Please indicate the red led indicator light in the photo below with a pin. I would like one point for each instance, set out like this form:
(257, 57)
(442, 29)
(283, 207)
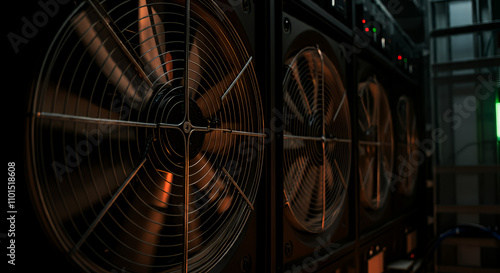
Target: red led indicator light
(363, 21)
(367, 29)
(400, 57)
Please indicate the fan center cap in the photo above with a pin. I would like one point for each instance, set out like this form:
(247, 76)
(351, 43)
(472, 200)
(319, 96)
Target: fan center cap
(187, 127)
(171, 109)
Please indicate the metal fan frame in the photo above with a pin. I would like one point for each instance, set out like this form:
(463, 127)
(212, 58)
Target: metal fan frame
(186, 128)
(407, 145)
(384, 159)
(330, 206)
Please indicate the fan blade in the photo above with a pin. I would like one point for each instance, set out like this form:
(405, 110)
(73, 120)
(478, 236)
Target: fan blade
(312, 197)
(292, 107)
(296, 176)
(297, 80)
(87, 120)
(112, 60)
(315, 68)
(370, 96)
(74, 196)
(385, 126)
(208, 179)
(82, 169)
(332, 111)
(332, 173)
(220, 142)
(153, 43)
(151, 221)
(386, 160)
(69, 96)
(366, 110)
(210, 101)
(209, 51)
(367, 166)
(199, 58)
(79, 200)
(294, 145)
(336, 179)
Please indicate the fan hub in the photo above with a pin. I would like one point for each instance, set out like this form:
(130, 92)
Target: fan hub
(171, 109)
(187, 127)
(315, 124)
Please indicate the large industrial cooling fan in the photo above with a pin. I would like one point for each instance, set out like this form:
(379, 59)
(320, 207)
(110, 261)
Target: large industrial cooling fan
(139, 117)
(407, 147)
(376, 144)
(317, 141)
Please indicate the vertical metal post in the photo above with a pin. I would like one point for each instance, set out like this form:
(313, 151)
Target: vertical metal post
(323, 136)
(187, 135)
(186, 207)
(269, 66)
(186, 59)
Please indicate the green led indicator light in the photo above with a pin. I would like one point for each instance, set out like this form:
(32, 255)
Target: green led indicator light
(405, 60)
(498, 120)
(374, 29)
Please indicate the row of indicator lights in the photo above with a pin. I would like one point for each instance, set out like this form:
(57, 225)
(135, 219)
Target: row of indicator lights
(368, 29)
(375, 30)
(401, 58)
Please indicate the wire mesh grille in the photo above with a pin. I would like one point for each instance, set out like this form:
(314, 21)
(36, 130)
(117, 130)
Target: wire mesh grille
(376, 143)
(146, 136)
(317, 140)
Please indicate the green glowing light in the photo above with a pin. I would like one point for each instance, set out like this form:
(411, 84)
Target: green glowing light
(498, 120)
(374, 29)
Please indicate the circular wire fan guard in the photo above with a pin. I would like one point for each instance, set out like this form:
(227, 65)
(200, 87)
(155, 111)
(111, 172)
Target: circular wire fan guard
(139, 116)
(407, 145)
(317, 140)
(376, 144)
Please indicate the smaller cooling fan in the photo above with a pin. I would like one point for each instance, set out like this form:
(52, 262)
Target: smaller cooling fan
(376, 144)
(317, 141)
(407, 146)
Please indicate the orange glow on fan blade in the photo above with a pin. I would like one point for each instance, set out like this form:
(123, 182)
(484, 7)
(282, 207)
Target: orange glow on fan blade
(152, 42)
(169, 178)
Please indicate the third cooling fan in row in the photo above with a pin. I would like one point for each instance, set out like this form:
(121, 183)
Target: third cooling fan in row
(376, 144)
(408, 145)
(138, 119)
(317, 140)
